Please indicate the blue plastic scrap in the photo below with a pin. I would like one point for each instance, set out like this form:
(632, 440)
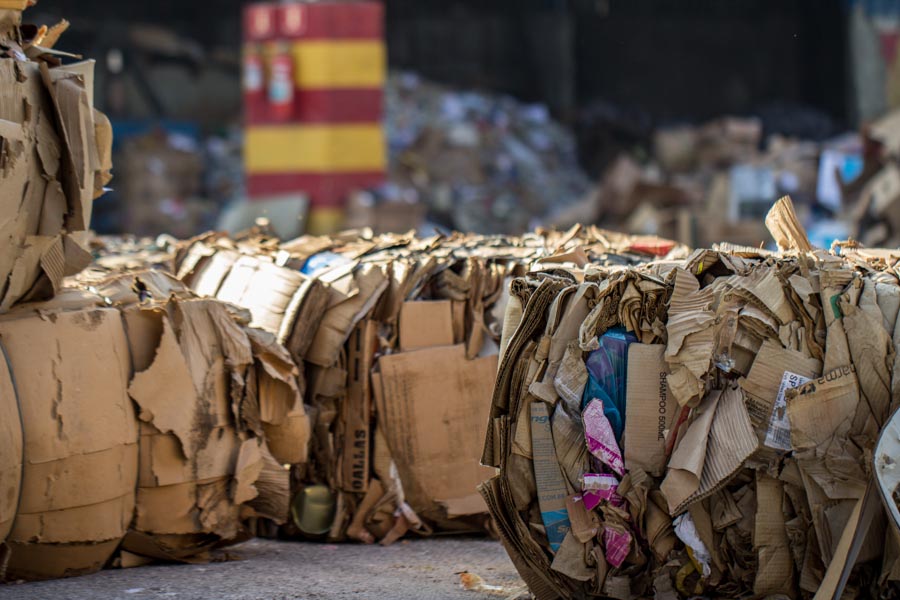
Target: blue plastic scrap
(607, 374)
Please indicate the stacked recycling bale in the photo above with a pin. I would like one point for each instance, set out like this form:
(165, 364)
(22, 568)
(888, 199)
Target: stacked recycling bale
(67, 450)
(699, 427)
(133, 414)
(55, 162)
(378, 323)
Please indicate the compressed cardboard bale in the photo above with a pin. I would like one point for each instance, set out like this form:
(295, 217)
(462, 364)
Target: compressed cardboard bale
(11, 448)
(753, 404)
(55, 163)
(81, 452)
(384, 296)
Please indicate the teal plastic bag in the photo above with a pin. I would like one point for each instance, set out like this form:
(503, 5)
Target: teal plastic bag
(607, 374)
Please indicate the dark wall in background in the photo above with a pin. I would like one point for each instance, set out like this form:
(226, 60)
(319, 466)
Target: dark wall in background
(702, 58)
(665, 59)
(676, 59)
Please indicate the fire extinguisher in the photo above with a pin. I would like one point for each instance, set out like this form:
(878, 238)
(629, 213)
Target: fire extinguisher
(253, 83)
(253, 71)
(281, 85)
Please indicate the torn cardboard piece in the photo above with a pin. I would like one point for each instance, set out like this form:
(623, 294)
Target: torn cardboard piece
(436, 440)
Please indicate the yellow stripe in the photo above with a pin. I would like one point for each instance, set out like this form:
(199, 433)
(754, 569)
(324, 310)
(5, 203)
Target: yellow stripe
(314, 148)
(323, 221)
(339, 64)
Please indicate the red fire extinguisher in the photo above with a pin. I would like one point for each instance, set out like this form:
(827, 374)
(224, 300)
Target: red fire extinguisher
(253, 81)
(281, 85)
(253, 71)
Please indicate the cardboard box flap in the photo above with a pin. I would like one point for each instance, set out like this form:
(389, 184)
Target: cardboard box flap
(785, 227)
(166, 394)
(649, 409)
(279, 393)
(436, 445)
(371, 281)
(425, 324)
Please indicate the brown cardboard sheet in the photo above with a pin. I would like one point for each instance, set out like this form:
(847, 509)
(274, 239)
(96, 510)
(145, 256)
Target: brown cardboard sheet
(433, 412)
(424, 324)
(649, 409)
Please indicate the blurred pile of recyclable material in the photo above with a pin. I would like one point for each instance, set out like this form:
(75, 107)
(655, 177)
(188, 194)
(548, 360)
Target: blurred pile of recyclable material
(710, 183)
(874, 209)
(175, 183)
(479, 162)
(702, 427)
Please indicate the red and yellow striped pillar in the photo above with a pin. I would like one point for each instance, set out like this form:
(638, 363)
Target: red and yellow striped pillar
(316, 127)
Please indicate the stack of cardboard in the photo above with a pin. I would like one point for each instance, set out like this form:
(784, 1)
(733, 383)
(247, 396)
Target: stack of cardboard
(54, 161)
(69, 448)
(134, 414)
(379, 323)
(144, 411)
(699, 427)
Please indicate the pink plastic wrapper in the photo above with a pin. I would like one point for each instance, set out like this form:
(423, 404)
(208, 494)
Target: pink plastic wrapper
(618, 545)
(601, 441)
(599, 487)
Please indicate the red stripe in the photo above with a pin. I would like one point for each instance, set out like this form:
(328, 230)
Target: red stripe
(260, 22)
(324, 190)
(331, 20)
(319, 106)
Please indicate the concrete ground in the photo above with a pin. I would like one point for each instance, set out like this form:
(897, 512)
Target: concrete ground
(272, 570)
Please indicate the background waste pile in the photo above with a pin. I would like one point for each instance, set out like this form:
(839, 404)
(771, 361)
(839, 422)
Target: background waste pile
(378, 324)
(874, 196)
(130, 408)
(479, 162)
(701, 426)
(714, 181)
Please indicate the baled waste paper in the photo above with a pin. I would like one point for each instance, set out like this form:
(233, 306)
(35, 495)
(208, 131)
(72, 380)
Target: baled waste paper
(699, 427)
(55, 160)
(378, 324)
(143, 411)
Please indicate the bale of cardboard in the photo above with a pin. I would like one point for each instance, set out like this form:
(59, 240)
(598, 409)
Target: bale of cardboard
(699, 427)
(55, 160)
(400, 317)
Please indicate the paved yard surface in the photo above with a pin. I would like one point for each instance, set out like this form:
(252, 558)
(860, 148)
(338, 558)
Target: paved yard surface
(270, 570)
